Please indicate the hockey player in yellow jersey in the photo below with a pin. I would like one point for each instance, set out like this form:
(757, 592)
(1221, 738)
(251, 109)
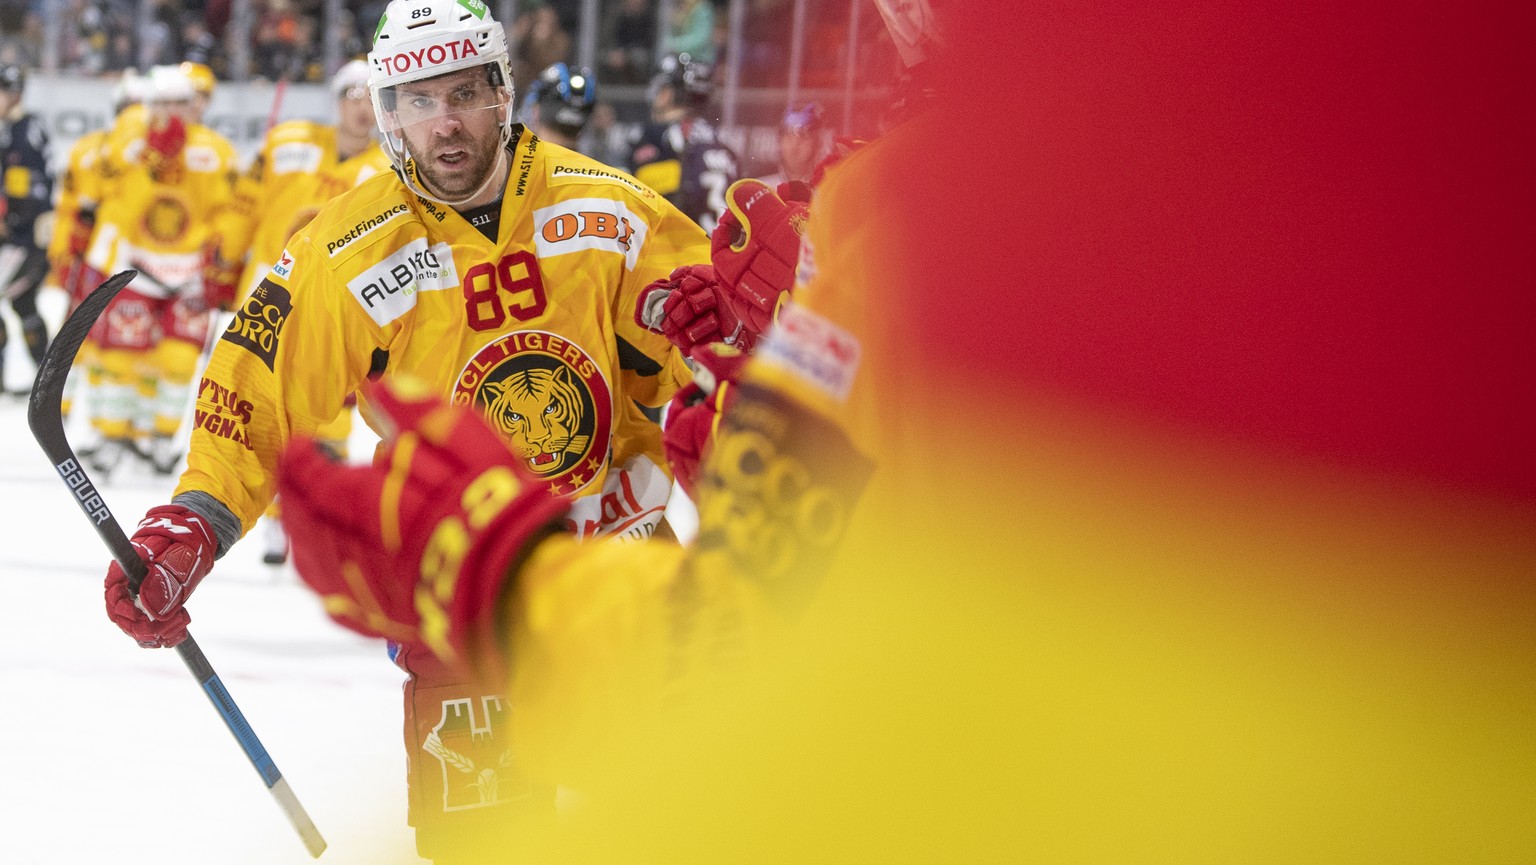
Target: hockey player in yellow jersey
(75, 216)
(162, 194)
(499, 268)
(302, 165)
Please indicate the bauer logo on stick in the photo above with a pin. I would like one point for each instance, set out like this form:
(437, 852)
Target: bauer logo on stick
(84, 492)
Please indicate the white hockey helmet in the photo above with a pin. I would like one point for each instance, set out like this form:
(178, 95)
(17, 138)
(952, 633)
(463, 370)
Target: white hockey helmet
(421, 39)
(129, 89)
(168, 84)
(352, 75)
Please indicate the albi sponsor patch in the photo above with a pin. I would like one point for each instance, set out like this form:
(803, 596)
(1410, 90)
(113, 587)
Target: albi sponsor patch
(258, 324)
(388, 289)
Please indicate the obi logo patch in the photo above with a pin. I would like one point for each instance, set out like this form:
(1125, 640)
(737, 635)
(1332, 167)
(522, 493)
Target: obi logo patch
(589, 223)
(551, 401)
(388, 289)
(258, 324)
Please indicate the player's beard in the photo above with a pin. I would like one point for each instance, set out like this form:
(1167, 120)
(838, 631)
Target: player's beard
(463, 179)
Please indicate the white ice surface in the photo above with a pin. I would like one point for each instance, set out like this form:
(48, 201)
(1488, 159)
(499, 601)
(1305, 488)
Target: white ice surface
(111, 753)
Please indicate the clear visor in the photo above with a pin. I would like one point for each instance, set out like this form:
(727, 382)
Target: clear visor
(408, 104)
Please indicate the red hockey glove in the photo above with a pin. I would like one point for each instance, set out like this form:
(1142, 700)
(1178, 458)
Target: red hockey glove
(163, 143)
(178, 547)
(695, 411)
(842, 148)
(691, 309)
(418, 546)
(69, 267)
(221, 280)
(756, 248)
(81, 228)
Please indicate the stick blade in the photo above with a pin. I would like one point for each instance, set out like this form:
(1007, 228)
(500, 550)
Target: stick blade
(48, 390)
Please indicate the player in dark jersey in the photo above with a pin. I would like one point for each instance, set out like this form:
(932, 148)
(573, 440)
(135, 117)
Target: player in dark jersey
(559, 103)
(28, 198)
(679, 153)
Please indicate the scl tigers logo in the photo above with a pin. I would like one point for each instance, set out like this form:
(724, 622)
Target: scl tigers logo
(540, 411)
(166, 219)
(550, 400)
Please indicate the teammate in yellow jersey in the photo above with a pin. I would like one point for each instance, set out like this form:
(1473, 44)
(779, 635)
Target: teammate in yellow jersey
(75, 218)
(162, 194)
(203, 85)
(302, 165)
(501, 269)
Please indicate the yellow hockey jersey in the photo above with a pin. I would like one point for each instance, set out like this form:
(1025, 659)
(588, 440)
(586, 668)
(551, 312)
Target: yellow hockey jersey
(297, 170)
(156, 226)
(536, 329)
(77, 190)
(95, 161)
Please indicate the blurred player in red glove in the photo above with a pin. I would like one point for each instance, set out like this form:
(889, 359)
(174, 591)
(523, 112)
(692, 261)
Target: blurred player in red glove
(693, 416)
(455, 509)
(170, 180)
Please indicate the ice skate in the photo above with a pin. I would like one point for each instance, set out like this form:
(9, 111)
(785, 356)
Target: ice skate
(274, 543)
(106, 456)
(162, 454)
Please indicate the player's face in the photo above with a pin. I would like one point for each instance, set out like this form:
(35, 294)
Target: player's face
(355, 113)
(452, 128)
(797, 151)
(168, 108)
(8, 100)
(663, 102)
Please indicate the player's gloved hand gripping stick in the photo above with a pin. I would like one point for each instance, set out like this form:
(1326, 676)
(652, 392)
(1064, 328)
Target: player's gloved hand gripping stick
(47, 424)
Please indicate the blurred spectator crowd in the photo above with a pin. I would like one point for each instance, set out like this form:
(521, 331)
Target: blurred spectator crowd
(287, 38)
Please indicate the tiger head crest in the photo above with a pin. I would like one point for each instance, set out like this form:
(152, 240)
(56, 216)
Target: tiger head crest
(540, 412)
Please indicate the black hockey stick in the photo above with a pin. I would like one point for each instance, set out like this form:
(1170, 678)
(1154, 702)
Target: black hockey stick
(47, 424)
